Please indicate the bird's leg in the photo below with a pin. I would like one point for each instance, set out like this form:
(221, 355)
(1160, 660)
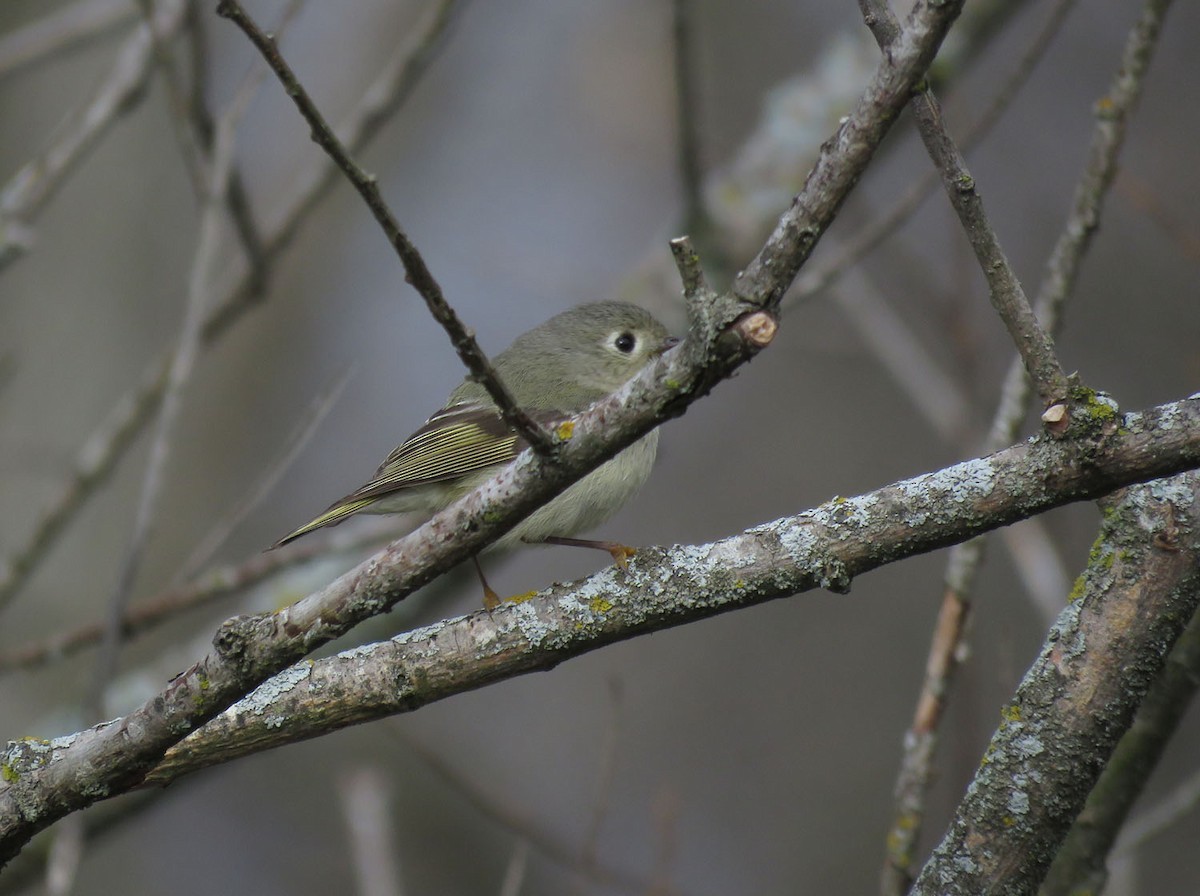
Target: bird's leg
(620, 552)
(491, 599)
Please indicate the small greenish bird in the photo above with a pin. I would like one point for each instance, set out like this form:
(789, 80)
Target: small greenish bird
(554, 371)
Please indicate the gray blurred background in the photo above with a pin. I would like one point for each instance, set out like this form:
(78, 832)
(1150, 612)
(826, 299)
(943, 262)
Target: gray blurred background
(535, 167)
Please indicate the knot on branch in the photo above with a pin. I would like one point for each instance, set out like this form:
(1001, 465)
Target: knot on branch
(236, 636)
(745, 337)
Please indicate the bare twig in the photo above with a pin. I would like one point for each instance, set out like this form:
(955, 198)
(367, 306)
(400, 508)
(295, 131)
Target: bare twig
(93, 464)
(194, 128)
(1112, 115)
(112, 439)
(74, 24)
(873, 232)
(28, 191)
(364, 795)
(207, 588)
(943, 661)
(207, 546)
(687, 116)
(416, 271)
(772, 271)
(514, 873)
(191, 144)
(178, 376)
(1008, 298)
(512, 820)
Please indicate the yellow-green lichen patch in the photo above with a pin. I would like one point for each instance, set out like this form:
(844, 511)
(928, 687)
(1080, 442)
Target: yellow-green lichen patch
(599, 604)
(1097, 408)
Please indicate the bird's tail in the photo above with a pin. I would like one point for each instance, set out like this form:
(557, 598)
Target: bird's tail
(330, 517)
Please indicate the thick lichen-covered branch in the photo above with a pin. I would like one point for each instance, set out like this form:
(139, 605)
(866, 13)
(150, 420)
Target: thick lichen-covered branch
(1141, 587)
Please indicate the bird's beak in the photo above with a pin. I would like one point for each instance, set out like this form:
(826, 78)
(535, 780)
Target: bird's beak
(668, 343)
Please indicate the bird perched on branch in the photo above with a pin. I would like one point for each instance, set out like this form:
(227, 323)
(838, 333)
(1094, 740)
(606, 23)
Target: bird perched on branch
(553, 372)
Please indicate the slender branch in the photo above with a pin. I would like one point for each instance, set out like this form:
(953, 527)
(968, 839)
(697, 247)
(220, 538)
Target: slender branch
(417, 272)
(1164, 815)
(94, 463)
(364, 796)
(28, 191)
(73, 24)
(257, 492)
(1112, 114)
(178, 376)
(513, 820)
(112, 439)
(663, 587)
(687, 115)
(1008, 298)
(195, 130)
(1141, 587)
(191, 147)
(202, 591)
(843, 158)
(942, 664)
(820, 276)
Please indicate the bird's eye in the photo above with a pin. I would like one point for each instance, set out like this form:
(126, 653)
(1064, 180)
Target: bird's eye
(625, 342)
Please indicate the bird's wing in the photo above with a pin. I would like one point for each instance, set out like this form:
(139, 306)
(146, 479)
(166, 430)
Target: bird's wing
(457, 440)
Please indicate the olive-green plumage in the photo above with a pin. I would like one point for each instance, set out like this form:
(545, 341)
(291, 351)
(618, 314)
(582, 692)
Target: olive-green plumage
(554, 371)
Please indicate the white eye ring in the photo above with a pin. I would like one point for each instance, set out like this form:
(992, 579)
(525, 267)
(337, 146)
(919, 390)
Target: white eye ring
(624, 342)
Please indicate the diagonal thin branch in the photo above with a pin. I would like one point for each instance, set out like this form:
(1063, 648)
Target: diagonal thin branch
(771, 272)
(115, 435)
(821, 276)
(28, 191)
(195, 130)
(178, 376)
(257, 492)
(81, 21)
(417, 272)
(207, 588)
(1004, 289)
(687, 116)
